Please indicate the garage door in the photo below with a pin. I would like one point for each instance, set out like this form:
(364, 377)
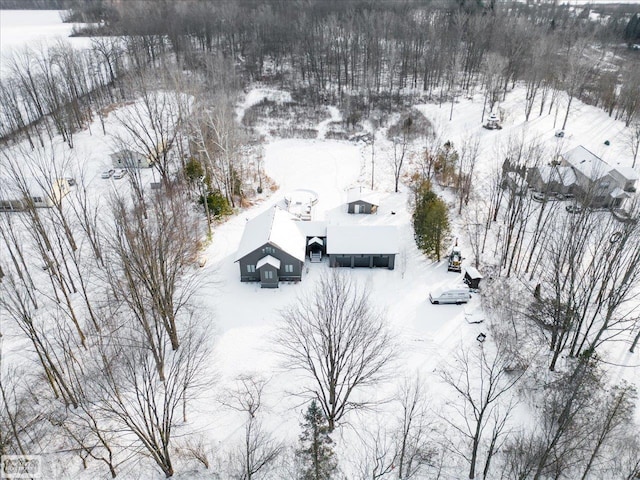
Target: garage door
(341, 261)
(381, 261)
(361, 261)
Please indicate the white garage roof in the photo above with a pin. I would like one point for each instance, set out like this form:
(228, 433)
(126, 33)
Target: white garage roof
(362, 239)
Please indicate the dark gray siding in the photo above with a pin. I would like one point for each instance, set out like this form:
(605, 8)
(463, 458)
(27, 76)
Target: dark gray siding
(371, 261)
(268, 276)
(285, 259)
(365, 207)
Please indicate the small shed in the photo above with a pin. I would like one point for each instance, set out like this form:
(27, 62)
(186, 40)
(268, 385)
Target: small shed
(472, 278)
(361, 200)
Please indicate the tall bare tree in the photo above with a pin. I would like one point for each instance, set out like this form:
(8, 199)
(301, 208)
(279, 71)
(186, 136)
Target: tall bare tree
(336, 337)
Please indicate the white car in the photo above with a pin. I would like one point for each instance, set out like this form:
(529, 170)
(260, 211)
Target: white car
(107, 173)
(120, 173)
(560, 133)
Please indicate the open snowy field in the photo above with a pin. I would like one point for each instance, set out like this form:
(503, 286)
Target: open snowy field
(33, 29)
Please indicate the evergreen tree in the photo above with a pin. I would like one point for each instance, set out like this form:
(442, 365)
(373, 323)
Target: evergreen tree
(632, 31)
(430, 222)
(316, 457)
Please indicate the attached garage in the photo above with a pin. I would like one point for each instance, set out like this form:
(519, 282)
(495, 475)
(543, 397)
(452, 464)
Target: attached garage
(362, 246)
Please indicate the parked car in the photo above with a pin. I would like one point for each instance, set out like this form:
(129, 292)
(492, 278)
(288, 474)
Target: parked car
(538, 196)
(573, 208)
(120, 173)
(456, 294)
(107, 173)
(559, 133)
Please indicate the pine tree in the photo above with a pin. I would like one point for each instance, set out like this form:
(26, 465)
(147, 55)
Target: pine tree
(316, 456)
(430, 222)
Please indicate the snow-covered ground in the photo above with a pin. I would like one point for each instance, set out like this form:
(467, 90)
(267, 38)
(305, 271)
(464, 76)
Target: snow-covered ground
(33, 28)
(245, 316)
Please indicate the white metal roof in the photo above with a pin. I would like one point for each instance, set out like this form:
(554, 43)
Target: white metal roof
(273, 226)
(274, 262)
(362, 239)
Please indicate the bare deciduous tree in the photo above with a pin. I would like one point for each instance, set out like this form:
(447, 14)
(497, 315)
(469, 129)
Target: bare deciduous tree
(259, 450)
(336, 337)
(482, 379)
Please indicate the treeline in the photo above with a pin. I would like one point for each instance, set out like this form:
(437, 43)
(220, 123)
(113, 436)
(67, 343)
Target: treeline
(34, 4)
(358, 54)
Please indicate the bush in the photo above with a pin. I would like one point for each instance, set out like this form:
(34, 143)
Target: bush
(217, 204)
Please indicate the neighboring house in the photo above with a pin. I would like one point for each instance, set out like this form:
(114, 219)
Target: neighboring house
(362, 246)
(272, 249)
(552, 179)
(130, 159)
(360, 200)
(597, 183)
(514, 182)
(41, 193)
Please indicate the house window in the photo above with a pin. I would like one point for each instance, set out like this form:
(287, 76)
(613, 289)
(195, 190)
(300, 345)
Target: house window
(604, 184)
(268, 275)
(268, 250)
(251, 268)
(288, 268)
(37, 199)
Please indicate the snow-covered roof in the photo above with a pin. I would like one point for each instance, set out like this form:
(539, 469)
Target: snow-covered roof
(619, 193)
(627, 172)
(563, 175)
(362, 239)
(473, 273)
(586, 162)
(12, 190)
(315, 240)
(313, 228)
(362, 194)
(274, 226)
(274, 262)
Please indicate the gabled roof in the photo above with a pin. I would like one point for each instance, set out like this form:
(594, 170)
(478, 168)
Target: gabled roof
(362, 239)
(274, 226)
(268, 260)
(589, 164)
(627, 173)
(360, 194)
(562, 175)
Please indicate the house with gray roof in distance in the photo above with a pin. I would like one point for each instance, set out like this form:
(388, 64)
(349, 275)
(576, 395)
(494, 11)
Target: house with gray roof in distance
(130, 159)
(552, 179)
(362, 246)
(361, 200)
(272, 249)
(597, 183)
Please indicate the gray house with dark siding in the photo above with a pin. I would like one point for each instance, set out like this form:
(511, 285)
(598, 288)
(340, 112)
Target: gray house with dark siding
(272, 249)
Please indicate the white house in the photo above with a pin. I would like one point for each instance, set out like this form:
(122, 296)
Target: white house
(38, 192)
